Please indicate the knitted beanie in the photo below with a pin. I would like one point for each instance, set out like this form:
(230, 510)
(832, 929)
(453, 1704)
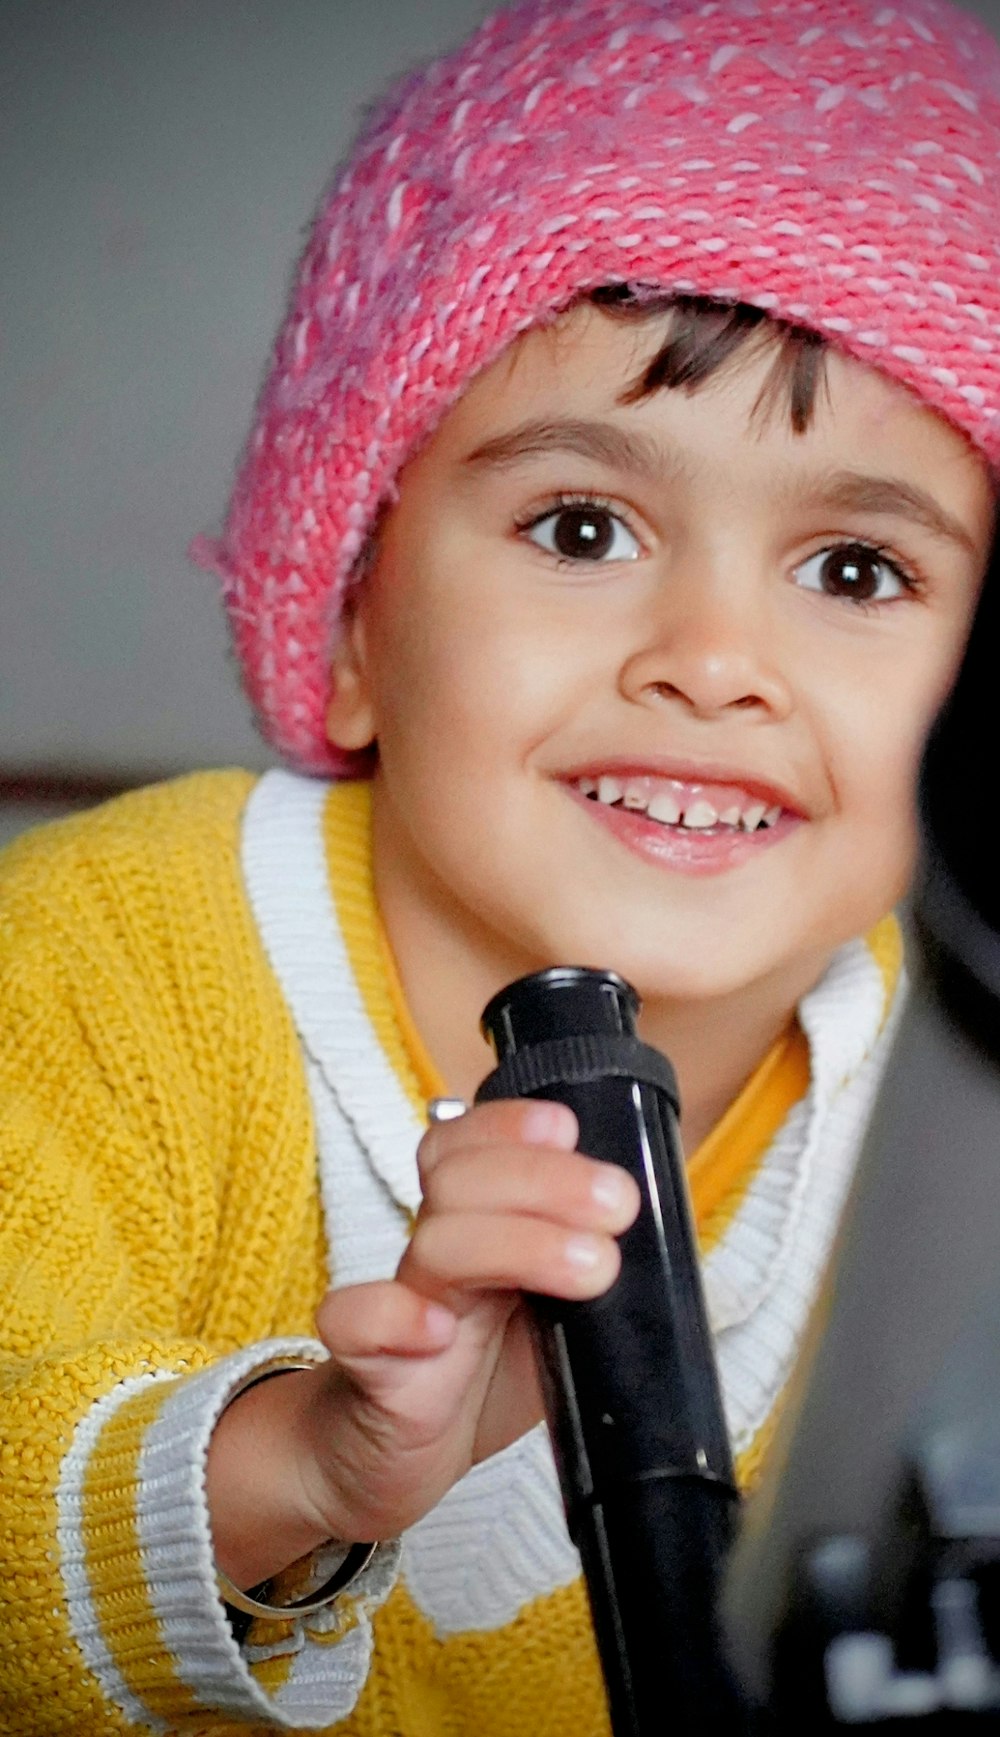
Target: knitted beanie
(835, 162)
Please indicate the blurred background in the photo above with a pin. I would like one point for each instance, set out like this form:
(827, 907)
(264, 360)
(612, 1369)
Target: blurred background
(161, 161)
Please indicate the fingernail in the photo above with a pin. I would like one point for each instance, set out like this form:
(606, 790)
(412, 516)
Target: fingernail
(550, 1125)
(609, 1188)
(439, 1322)
(583, 1251)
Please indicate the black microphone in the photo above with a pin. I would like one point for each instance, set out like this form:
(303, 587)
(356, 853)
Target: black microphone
(629, 1380)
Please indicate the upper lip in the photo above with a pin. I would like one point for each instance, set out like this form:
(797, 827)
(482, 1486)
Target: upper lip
(766, 790)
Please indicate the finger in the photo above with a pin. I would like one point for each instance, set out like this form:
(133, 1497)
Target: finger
(512, 1403)
(453, 1258)
(383, 1319)
(532, 1122)
(579, 1192)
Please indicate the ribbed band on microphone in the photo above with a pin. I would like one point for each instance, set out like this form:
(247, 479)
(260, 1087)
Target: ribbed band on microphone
(579, 1061)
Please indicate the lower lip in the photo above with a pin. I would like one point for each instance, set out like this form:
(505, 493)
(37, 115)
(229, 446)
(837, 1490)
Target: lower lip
(689, 852)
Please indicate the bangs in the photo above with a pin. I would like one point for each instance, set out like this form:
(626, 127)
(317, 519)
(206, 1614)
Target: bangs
(706, 335)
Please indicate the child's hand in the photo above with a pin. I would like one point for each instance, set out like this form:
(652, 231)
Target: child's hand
(433, 1370)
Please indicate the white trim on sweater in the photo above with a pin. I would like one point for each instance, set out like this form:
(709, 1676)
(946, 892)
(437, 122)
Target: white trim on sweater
(498, 1538)
(81, 1610)
(173, 1532)
(283, 824)
(322, 1683)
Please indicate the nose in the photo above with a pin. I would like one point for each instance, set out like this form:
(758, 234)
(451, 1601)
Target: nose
(709, 648)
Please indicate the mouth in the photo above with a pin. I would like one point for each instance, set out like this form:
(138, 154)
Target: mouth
(696, 823)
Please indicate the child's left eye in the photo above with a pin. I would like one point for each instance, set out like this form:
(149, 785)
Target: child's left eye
(583, 531)
(858, 572)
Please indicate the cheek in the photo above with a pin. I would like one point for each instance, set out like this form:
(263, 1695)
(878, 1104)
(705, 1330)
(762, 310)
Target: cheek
(875, 746)
(467, 667)
(442, 690)
(888, 700)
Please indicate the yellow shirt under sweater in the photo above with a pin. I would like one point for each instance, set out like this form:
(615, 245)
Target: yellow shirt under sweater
(196, 999)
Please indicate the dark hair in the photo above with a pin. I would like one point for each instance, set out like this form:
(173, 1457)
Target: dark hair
(705, 334)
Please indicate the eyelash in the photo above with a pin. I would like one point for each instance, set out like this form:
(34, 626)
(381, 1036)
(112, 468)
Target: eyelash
(912, 583)
(910, 580)
(560, 503)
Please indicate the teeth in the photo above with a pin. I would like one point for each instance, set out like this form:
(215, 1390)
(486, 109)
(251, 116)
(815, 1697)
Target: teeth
(663, 807)
(700, 814)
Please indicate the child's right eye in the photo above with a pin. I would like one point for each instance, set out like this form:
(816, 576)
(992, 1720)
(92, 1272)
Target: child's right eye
(583, 530)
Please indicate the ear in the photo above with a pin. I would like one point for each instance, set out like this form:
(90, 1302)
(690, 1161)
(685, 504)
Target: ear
(350, 715)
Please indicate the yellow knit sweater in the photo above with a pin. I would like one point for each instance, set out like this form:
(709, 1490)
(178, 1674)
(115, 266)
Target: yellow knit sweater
(162, 1234)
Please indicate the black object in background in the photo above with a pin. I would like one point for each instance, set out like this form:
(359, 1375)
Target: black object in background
(865, 1591)
(630, 1382)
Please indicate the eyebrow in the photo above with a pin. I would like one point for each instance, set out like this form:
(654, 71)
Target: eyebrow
(630, 450)
(852, 492)
(620, 448)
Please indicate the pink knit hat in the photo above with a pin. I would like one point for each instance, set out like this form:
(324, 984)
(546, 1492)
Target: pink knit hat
(836, 162)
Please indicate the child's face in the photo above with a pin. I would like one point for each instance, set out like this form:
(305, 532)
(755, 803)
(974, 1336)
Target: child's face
(677, 635)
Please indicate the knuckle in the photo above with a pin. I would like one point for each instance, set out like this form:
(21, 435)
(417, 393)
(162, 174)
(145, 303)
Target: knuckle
(451, 1184)
(429, 1151)
(428, 1245)
(431, 1196)
(515, 1119)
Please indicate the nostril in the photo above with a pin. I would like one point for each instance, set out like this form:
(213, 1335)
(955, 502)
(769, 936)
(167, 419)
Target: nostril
(670, 691)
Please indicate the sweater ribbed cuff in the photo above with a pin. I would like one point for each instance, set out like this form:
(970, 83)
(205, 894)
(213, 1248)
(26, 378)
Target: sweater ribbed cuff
(140, 1574)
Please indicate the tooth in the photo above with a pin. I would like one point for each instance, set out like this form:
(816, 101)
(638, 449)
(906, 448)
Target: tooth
(587, 786)
(753, 816)
(635, 797)
(772, 815)
(700, 814)
(663, 807)
(609, 790)
(731, 816)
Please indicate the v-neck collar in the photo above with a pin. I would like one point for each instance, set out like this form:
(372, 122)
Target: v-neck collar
(307, 863)
(347, 1028)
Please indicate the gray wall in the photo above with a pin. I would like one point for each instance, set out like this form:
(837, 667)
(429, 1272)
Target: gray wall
(160, 159)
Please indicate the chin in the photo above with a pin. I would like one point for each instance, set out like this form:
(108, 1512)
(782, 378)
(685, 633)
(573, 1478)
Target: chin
(671, 979)
(672, 961)
(689, 987)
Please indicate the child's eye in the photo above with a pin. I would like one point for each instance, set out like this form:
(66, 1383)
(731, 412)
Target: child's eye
(860, 572)
(583, 530)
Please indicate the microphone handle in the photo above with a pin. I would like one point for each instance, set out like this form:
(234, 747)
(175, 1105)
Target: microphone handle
(633, 1403)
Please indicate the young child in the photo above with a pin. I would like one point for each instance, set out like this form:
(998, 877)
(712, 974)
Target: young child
(611, 526)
